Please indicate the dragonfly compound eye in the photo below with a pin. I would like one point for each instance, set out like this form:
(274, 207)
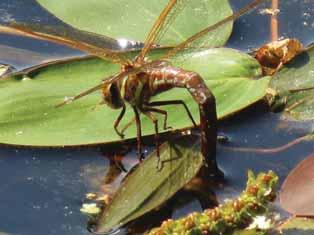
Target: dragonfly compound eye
(111, 96)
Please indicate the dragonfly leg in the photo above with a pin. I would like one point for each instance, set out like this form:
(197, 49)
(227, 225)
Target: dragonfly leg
(174, 102)
(148, 112)
(117, 122)
(139, 133)
(127, 125)
(160, 111)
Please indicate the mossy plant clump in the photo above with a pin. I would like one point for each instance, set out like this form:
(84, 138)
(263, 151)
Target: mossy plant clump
(232, 215)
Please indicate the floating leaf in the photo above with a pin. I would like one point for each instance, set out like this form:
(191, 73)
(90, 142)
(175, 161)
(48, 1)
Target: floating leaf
(293, 87)
(148, 187)
(28, 115)
(296, 195)
(132, 19)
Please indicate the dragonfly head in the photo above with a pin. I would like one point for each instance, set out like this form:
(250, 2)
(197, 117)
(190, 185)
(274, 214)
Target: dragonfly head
(111, 95)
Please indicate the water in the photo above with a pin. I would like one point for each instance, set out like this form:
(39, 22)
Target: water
(42, 190)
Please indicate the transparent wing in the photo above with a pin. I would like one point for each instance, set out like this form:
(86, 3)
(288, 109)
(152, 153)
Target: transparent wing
(77, 39)
(193, 43)
(161, 25)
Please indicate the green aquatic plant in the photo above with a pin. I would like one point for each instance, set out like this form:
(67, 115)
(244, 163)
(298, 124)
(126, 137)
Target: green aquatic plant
(231, 215)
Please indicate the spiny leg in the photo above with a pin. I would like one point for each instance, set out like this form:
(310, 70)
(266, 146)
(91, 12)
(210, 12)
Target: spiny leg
(174, 102)
(139, 133)
(160, 111)
(163, 112)
(147, 111)
(117, 122)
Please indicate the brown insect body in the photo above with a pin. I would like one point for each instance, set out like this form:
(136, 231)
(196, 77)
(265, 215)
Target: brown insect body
(137, 90)
(139, 80)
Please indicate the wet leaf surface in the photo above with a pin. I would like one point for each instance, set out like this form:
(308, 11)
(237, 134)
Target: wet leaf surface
(133, 19)
(28, 115)
(146, 187)
(294, 86)
(296, 195)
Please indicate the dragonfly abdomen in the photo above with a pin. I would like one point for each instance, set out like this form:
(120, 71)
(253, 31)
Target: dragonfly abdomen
(168, 77)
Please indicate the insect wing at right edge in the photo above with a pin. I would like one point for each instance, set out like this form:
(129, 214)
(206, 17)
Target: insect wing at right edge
(197, 14)
(206, 38)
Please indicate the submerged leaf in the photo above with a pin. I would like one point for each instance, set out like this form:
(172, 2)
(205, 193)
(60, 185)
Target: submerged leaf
(296, 195)
(148, 187)
(28, 115)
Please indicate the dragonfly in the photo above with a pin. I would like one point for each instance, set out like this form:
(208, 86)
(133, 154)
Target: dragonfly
(141, 78)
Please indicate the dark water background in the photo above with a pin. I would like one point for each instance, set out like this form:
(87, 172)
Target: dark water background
(41, 191)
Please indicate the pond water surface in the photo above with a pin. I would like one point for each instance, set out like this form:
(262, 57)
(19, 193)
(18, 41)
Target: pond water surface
(42, 190)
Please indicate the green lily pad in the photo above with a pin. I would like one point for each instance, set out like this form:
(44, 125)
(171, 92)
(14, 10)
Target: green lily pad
(28, 115)
(294, 87)
(132, 19)
(148, 187)
(298, 226)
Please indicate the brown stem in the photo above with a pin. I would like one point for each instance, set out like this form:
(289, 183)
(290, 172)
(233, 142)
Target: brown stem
(268, 150)
(274, 20)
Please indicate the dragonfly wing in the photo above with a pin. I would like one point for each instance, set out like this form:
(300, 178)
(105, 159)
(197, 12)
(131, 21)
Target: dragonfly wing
(67, 31)
(171, 22)
(65, 38)
(161, 25)
(192, 42)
